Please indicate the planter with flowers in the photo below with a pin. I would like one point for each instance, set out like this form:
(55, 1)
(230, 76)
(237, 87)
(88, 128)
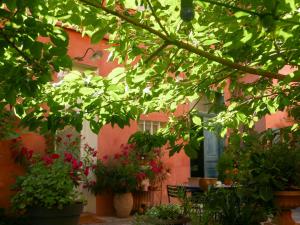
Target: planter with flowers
(49, 191)
(130, 171)
(115, 174)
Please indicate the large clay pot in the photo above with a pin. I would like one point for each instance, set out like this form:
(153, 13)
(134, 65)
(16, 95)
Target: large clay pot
(287, 200)
(123, 204)
(69, 215)
(205, 182)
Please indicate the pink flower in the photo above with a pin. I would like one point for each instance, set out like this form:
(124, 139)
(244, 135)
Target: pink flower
(86, 171)
(155, 167)
(76, 164)
(117, 156)
(140, 176)
(47, 160)
(29, 154)
(125, 152)
(55, 156)
(24, 151)
(68, 156)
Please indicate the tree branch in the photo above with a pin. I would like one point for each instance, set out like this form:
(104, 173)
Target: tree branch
(157, 19)
(156, 52)
(189, 47)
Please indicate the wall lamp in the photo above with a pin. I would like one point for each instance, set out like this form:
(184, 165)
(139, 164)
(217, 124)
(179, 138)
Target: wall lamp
(95, 56)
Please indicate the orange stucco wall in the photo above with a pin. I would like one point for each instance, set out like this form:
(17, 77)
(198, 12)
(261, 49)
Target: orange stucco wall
(9, 170)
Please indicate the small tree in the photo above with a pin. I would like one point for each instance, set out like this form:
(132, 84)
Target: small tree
(179, 61)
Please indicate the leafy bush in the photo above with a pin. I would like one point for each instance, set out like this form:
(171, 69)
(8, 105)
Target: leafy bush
(165, 212)
(162, 215)
(45, 186)
(231, 207)
(227, 167)
(51, 180)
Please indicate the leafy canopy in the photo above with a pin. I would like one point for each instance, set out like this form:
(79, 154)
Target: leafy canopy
(178, 61)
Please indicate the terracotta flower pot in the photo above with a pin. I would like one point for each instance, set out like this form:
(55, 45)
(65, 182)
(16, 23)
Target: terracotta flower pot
(206, 182)
(287, 200)
(228, 181)
(123, 204)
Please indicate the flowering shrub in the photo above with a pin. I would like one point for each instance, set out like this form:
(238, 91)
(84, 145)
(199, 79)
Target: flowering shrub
(130, 170)
(51, 180)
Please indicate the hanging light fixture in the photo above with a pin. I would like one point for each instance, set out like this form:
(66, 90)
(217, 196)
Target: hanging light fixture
(95, 56)
(187, 12)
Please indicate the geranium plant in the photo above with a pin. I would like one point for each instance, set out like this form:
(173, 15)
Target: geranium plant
(131, 169)
(53, 179)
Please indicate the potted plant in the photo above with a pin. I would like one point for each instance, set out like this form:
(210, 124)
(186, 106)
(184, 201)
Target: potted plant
(129, 171)
(227, 168)
(117, 175)
(170, 214)
(49, 191)
(271, 172)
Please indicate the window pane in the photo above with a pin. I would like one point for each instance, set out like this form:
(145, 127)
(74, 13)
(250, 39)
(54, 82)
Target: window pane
(148, 126)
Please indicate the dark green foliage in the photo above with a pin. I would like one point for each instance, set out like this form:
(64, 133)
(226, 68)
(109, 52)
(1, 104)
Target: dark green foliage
(228, 206)
(115, 177)
(145, 142)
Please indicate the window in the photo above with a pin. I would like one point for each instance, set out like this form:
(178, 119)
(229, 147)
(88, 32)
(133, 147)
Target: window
(150, 126)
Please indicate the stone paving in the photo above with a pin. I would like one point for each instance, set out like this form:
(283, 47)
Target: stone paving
(127, 221)
(110, 221)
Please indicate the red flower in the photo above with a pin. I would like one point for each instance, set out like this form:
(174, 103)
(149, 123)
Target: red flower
(69, 136)
(140, 176)
(125, 152)
(94, 153)
(29, 154)
(24, 151)
(58, 139)
(55, 156)
(105, 157)
(76, 164)
(155, 167)
(117, 156)
(47, 160)
(86, 171)
(68, 156)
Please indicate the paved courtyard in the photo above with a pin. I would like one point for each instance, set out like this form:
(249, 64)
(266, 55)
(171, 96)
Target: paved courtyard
(91, 219)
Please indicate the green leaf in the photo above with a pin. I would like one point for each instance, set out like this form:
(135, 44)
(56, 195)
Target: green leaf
(197, 120)
(210, 42)
(265, 192)
(98, 36)
(116, 72)
(240, 14)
